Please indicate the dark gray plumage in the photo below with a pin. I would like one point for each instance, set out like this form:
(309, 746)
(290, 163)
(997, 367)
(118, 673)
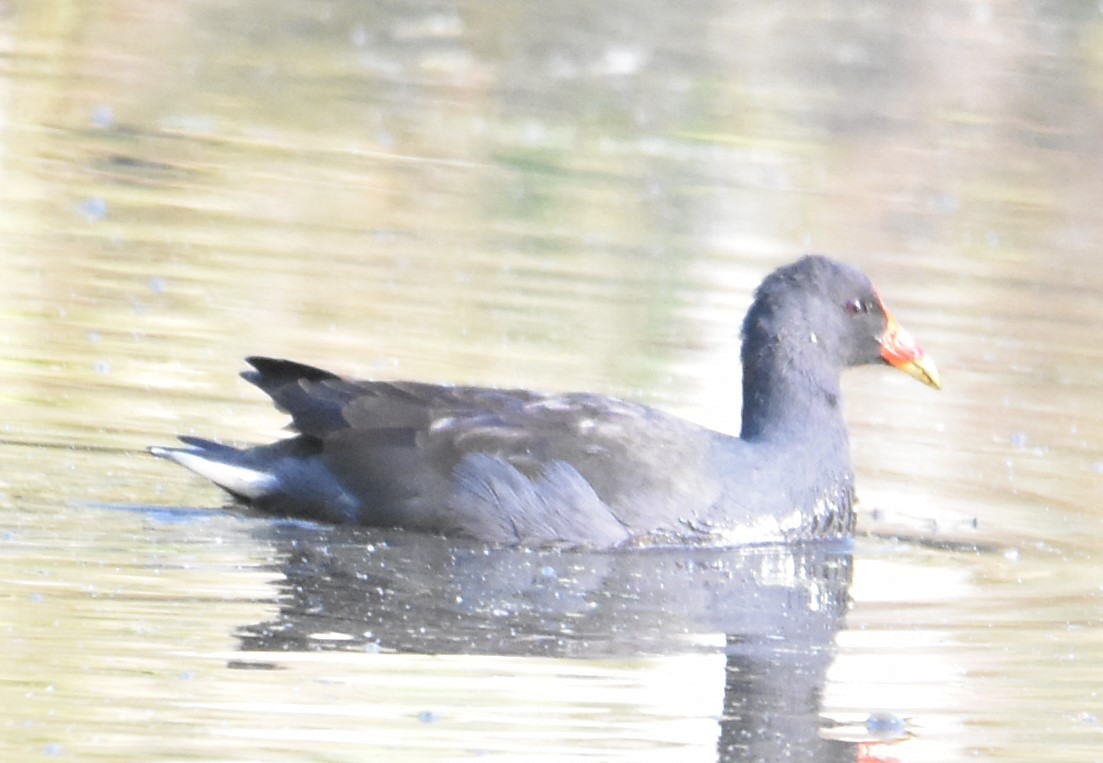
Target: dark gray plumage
(514, 466)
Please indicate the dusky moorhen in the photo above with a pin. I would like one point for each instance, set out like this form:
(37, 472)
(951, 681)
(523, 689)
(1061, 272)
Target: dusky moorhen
(514, 466)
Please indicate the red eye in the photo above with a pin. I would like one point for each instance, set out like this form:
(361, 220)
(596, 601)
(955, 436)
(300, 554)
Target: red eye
(859, 306)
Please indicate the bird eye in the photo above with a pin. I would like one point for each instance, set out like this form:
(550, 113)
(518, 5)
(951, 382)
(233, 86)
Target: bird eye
(858, 306)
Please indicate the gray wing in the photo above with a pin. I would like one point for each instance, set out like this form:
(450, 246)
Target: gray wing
(507, 465)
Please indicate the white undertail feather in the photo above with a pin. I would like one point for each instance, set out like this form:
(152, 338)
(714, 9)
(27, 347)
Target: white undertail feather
(239, 480)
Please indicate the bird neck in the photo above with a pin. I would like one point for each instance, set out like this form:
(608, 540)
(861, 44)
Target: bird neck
(791, 395)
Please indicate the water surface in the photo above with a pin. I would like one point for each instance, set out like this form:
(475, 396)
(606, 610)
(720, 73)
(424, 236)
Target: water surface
(556, 196)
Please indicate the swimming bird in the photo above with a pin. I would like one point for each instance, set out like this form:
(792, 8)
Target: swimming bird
(512, 466)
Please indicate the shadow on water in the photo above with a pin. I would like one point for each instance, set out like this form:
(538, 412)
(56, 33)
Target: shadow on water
(772, 611)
